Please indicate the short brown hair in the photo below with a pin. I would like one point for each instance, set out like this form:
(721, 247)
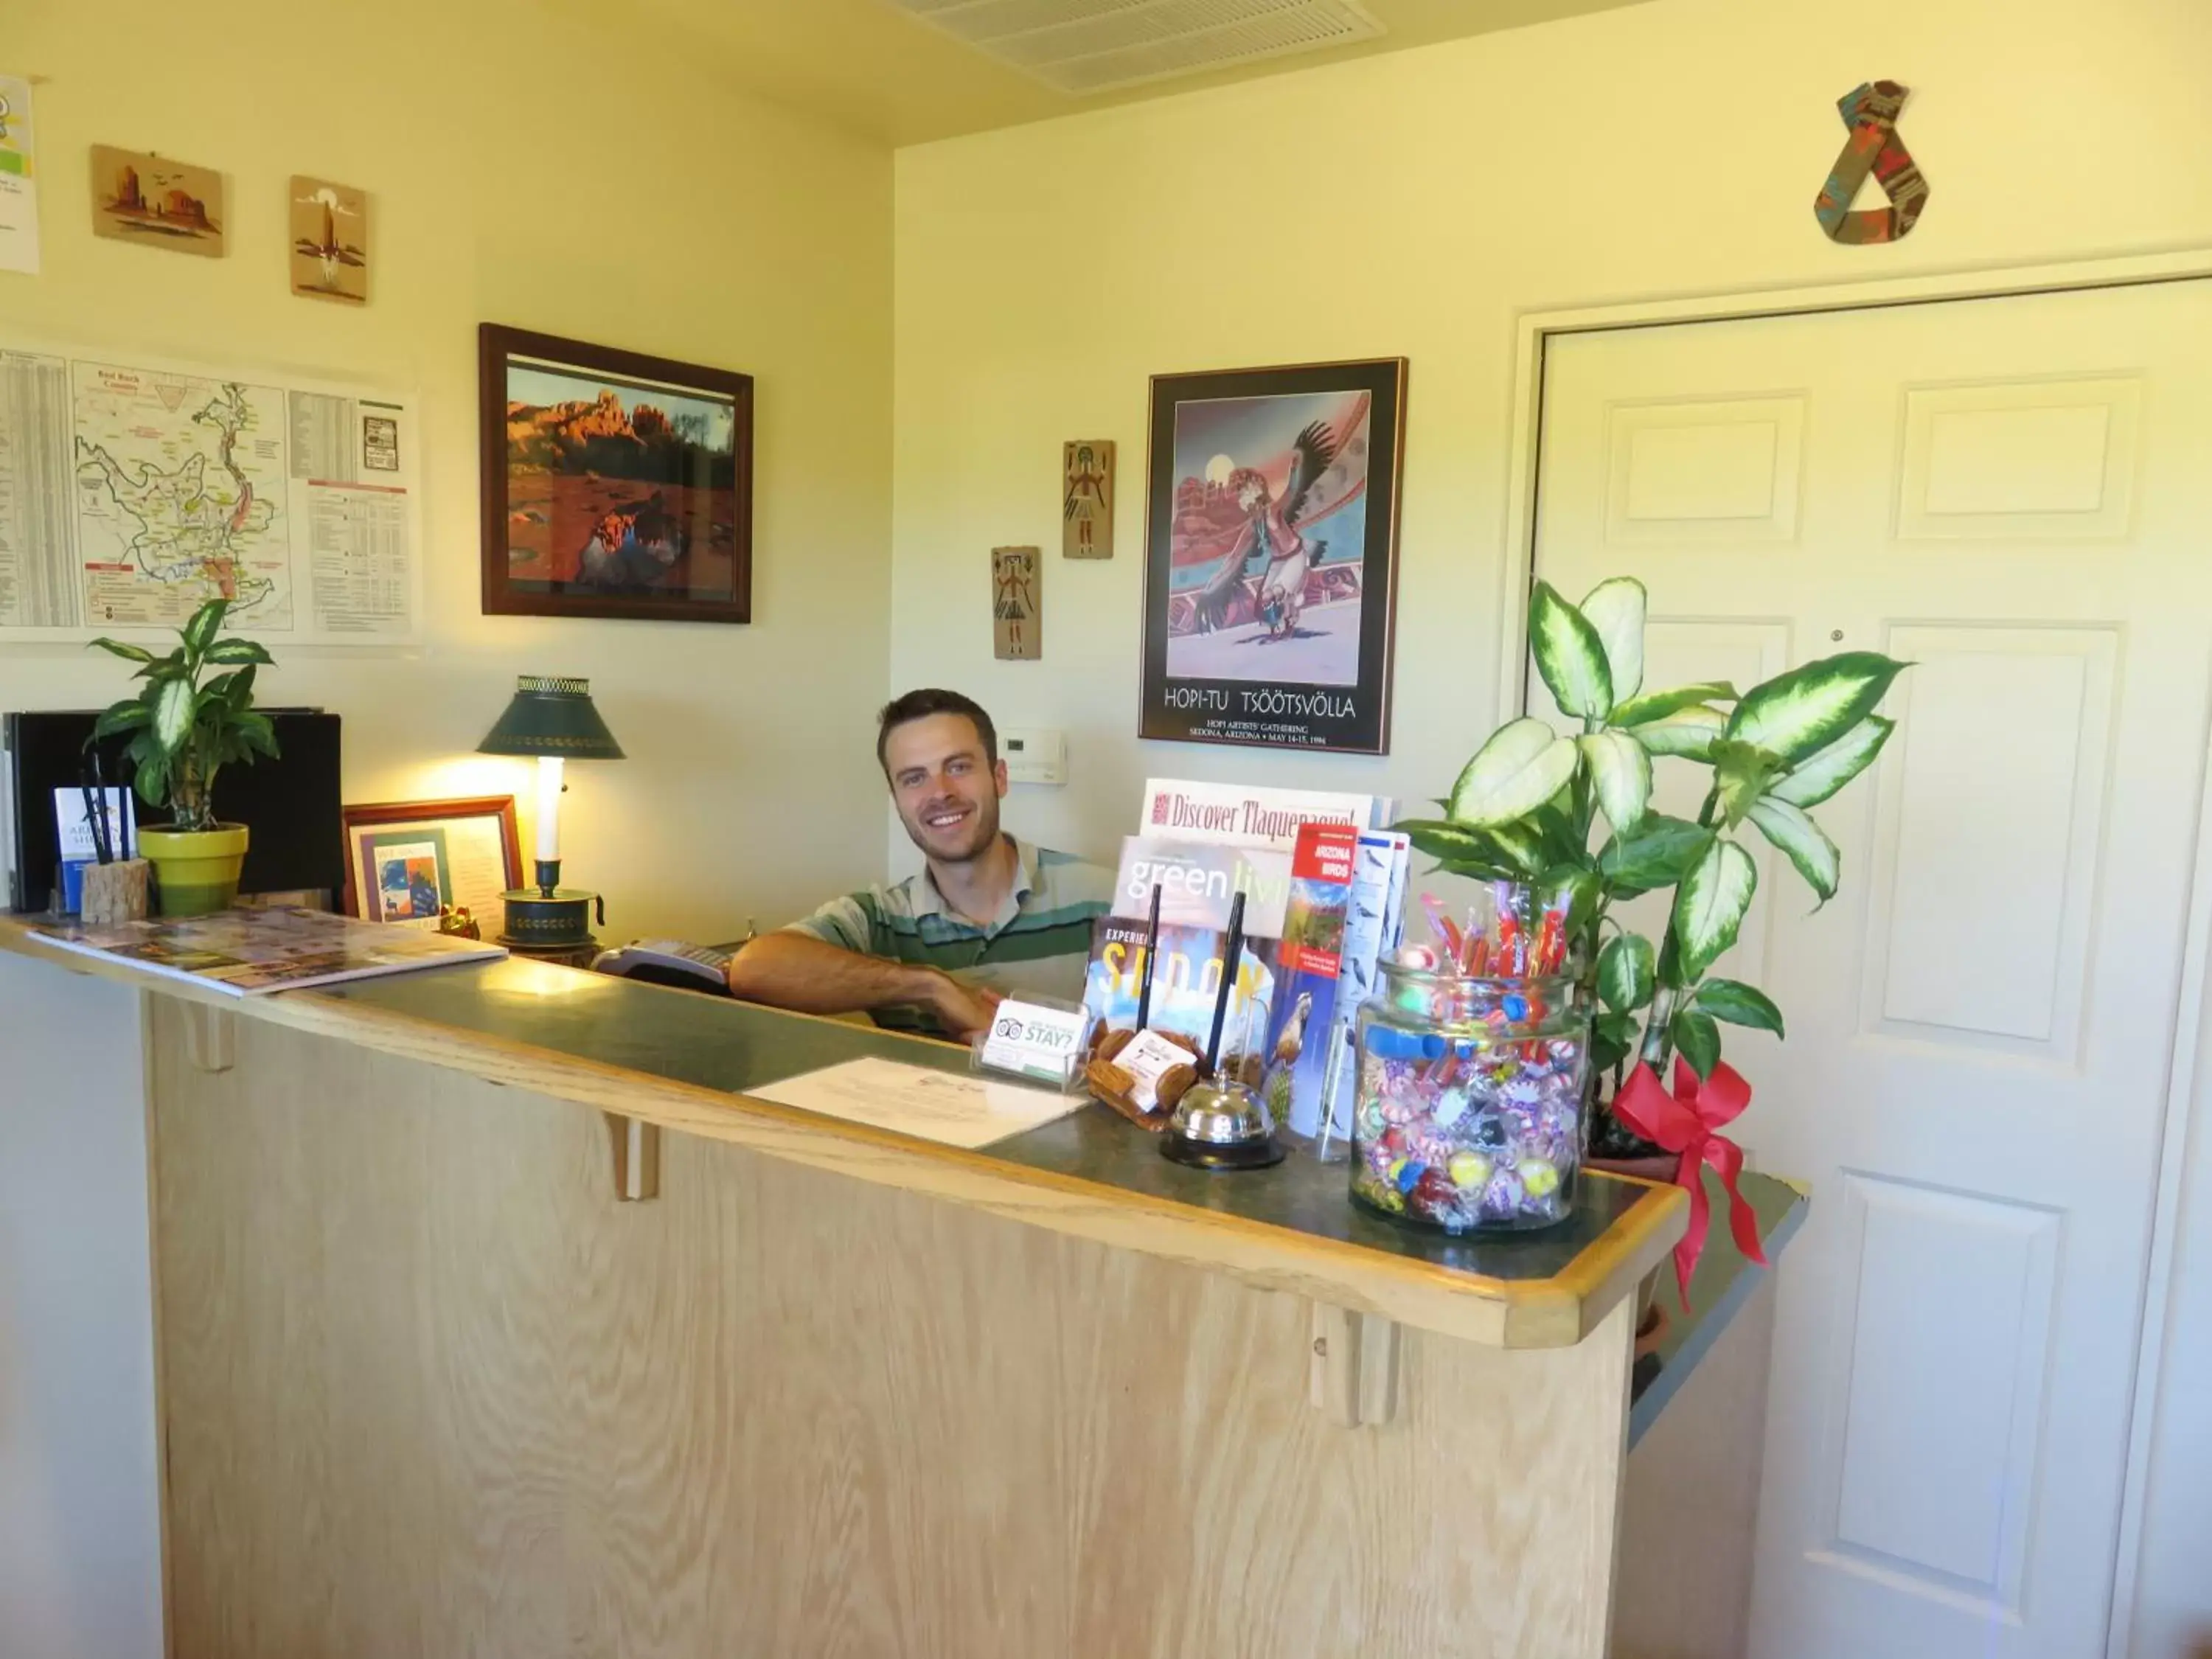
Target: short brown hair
(920, 705)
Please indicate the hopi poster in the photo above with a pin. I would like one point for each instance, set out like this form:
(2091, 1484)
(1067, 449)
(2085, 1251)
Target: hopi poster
(1271, 551)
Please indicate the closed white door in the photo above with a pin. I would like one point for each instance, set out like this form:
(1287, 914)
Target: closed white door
(2016, 494)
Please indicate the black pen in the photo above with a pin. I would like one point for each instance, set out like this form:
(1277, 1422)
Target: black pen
(91, 817)
(104, 832)
(1229, 954)
(1152, 951)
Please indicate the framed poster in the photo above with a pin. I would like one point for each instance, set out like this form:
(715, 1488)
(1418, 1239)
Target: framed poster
(1271, 556)
(406, 860)
(615, 484)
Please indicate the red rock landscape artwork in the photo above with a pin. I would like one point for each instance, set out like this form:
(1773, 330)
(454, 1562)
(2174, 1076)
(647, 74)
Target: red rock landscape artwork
(621, 484)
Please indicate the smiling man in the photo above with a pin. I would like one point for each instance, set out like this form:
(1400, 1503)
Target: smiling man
(988, 916)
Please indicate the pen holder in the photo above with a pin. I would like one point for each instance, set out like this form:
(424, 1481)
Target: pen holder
(121, 892)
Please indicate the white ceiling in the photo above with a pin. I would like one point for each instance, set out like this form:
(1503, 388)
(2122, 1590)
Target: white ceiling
(869, 66)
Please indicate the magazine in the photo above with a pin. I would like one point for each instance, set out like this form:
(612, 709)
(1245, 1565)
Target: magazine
(1302, 1036)
(1186, 983)
(1199, 881)
(1252, 815)
(252, 952)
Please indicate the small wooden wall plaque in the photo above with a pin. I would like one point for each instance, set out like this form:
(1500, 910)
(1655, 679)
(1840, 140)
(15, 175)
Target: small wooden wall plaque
(1017, 603)
(1086, 499)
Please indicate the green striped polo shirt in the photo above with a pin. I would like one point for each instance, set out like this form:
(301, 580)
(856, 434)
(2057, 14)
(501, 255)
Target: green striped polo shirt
(1037, 945)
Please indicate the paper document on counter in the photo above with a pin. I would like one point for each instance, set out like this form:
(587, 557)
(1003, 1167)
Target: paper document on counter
(951, 1108)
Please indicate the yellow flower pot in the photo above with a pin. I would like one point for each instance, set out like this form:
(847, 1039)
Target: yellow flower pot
(195, 870)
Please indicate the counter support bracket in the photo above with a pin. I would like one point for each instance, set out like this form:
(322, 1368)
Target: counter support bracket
(1352, 1373)
(210, 1036)
(636, 1157)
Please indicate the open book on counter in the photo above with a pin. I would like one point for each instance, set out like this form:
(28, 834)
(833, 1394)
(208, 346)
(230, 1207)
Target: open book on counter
(251, 953)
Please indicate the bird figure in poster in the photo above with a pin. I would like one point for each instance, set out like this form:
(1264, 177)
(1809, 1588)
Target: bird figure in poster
(1291, 1041)
(1271, 530)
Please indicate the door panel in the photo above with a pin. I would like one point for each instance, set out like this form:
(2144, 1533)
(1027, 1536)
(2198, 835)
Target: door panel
(2010, 492)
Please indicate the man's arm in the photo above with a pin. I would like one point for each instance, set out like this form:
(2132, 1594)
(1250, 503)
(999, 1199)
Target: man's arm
(823, 966)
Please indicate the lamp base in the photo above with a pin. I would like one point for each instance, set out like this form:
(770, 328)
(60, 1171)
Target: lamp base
(555, 923)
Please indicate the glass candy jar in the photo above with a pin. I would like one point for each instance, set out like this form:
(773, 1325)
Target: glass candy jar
(1468, 1113)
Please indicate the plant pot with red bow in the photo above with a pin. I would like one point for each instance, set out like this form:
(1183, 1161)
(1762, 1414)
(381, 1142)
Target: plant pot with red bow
(1576, 806)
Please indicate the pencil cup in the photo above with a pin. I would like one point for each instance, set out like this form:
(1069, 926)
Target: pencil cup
(120, 891)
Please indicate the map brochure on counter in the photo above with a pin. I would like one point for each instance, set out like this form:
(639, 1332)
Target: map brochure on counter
(252, 952)
(954, 1108)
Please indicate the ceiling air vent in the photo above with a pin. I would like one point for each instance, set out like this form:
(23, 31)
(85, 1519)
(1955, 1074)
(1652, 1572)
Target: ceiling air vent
(1095, 46)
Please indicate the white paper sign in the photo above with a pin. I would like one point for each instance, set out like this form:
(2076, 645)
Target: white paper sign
(19, 186)
(1034, 1040)
(951, 1108)
(1146, 1057)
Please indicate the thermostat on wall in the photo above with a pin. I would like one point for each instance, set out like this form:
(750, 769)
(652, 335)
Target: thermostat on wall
(1034, 754)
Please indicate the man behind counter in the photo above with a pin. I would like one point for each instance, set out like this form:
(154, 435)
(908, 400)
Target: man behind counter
(989, 916)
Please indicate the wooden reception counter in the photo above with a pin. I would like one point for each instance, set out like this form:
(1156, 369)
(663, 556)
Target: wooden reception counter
(492, 1316)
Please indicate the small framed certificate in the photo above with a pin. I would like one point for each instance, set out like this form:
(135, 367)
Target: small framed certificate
(408, 862)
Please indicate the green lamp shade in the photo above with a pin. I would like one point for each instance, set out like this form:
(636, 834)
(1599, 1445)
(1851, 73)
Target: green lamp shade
(551, 715)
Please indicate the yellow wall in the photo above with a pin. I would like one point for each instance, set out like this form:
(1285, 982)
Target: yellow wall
(1412, 205)
(522, 171)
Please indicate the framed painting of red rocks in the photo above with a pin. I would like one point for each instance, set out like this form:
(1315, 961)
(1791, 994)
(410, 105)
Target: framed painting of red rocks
(615, 484)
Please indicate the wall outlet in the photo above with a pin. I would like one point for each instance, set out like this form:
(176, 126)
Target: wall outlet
(1034, 754)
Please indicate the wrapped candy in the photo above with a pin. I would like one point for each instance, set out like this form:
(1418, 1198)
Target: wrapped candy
(1468, 1113)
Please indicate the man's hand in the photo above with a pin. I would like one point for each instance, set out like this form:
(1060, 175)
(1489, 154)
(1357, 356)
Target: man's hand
(962, 1009)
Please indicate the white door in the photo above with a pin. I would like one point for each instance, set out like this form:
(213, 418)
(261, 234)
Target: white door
(2016, 494)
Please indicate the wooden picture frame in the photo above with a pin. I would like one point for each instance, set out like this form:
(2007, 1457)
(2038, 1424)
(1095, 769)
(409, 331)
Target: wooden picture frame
(615, 484)
(1271, 556)
(464, 852)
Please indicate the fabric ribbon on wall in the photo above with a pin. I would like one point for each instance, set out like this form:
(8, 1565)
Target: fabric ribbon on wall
(1870, 112)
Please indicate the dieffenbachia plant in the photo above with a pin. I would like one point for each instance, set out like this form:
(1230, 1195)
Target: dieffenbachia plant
(1572, 812)
(184, 728)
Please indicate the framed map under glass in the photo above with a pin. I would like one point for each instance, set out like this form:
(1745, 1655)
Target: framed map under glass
(161, 484)
(407, 862)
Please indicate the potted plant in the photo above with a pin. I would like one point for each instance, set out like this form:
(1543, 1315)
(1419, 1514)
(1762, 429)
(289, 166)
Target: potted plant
(186, 723)
(1574, 811)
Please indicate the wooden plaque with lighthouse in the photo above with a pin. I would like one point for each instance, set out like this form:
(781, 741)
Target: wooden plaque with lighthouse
(330, 241)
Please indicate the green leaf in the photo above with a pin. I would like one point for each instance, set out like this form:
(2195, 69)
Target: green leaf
(1616, 609)
(255, 732)
(128, 652)
(199, 633)
(1798, 714)
(1657, 854)
(1819, 776)
(1638, 711)
(1522, 767)
(1622, 774)
(173, 715)
(1709, 906)
(1523, 849)
(151, 780)
(1627, 972)
(1801, 840)
(1697, 1040)
(162, 668)
(127, 716)
(237, 650)
(1613, 1039)
(1569, 655)
(1690, 732)
(1740, 775)
(1739, 1004)
(238, 687)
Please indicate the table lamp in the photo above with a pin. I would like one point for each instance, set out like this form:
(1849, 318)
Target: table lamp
(551, 718)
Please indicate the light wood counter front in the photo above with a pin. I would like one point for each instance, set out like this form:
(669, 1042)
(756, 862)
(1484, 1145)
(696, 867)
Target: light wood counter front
(429, 1386)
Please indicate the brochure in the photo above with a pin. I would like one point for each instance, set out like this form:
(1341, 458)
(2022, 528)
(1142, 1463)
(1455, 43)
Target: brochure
(1253, 815)
(1199, 881)
(1302, 1036)
(252, 952)
(1186, 981)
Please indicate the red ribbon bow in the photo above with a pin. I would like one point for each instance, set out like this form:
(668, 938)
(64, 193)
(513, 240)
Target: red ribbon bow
(1687, 1122)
